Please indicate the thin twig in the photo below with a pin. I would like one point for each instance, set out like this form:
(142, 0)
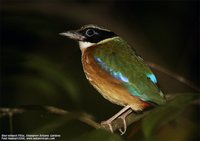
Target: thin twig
(11, 122)
(88, 119)
(173, 75)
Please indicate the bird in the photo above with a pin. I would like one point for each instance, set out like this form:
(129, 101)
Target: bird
(116, 71)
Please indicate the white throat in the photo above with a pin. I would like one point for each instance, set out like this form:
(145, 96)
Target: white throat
(84, 45)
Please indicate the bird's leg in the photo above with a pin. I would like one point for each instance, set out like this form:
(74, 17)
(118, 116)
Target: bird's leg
(109, 121)
(123, 117)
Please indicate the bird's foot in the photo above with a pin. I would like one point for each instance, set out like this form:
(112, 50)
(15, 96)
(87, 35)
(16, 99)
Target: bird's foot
(122, 131)
(123, 117)
(121, 114)
(108, 122)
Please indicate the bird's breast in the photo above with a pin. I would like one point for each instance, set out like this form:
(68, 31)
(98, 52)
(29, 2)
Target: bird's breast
(110, 87)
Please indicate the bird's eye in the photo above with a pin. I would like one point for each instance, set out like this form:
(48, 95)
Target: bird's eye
(90, 32)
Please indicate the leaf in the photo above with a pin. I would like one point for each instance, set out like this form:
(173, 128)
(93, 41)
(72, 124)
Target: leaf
(34, 82)
(53, 74)
(169, 112)
(55, 124)
(98, 135)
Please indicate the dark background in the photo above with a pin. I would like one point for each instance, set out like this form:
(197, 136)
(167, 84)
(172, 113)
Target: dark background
(39, 67)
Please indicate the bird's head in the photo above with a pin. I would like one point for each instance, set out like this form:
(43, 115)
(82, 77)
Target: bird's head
(89, 35)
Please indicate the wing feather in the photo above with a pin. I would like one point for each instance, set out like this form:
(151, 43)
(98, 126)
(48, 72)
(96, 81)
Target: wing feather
(120, 60)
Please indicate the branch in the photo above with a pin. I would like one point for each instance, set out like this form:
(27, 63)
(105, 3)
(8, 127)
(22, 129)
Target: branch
(83, 117)
(131, 118)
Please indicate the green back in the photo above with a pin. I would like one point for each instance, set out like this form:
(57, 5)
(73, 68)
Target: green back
(117, 58)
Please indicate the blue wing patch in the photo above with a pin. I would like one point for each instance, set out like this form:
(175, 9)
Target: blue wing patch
(152, 77)
(118, 75)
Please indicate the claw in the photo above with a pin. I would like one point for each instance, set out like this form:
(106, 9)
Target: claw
(121, 114)
(125, 126)
(109, 125)
(123, 117)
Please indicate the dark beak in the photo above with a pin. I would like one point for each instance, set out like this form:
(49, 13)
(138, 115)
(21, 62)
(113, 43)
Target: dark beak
(73, 35)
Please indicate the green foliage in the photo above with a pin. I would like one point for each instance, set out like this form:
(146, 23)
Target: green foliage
(62, 122)
(53, 74)
(163, 115)
(57, 123)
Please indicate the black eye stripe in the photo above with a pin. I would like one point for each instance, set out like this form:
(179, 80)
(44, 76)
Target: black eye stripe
(95, 35)
(90, 32)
